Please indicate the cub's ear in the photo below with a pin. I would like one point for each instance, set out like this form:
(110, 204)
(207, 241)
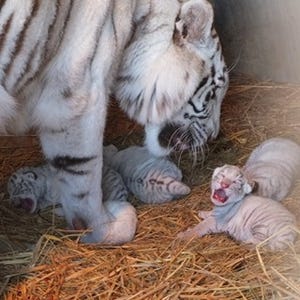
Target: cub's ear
(254, 185)
(216, 171)
(111, 148)
(247, 188)
(31, 175)
(109, 151)
(194, 21)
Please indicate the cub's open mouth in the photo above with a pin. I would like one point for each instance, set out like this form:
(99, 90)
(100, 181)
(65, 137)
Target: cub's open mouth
(220, 195)
(24, 203)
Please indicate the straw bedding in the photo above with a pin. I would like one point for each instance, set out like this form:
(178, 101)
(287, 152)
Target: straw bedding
(41, 260)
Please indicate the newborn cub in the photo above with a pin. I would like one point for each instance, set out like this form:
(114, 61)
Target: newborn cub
(151, 179)
(247, 218)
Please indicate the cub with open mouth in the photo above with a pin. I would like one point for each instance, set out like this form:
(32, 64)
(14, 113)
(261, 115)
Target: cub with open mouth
(246, 217)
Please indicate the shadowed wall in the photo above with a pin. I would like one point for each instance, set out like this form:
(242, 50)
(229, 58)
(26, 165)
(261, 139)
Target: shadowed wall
(262, 37)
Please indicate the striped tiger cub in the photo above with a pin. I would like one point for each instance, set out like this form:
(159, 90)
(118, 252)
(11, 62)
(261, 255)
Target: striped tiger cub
(61, 59)
(150, 179)
(246, 217)
(33, 189)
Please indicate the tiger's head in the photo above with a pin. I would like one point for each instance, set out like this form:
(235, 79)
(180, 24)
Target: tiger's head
(173, 76)
(229, 185)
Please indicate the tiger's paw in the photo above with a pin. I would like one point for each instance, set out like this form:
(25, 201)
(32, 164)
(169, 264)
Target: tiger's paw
(120, 227)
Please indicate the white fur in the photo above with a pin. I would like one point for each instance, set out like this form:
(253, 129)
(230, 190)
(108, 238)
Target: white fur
(8, 109)
(151, 141)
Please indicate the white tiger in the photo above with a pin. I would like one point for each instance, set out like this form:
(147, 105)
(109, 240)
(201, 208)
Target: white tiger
(246, 217)
(58, 61)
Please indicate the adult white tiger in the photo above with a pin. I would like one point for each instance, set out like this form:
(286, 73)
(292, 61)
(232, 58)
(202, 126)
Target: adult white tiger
(173, 79)
(58, 60)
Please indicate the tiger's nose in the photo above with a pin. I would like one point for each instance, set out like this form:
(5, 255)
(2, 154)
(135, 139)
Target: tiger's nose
(225, 185)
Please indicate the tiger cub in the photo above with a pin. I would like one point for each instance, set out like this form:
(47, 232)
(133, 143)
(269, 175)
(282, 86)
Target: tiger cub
(247, 218)
(273, 168)
(149, 178)
(35, 188)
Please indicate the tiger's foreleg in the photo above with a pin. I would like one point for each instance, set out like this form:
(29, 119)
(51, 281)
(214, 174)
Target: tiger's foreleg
(70, 100)
(209, 225)
(73, 148)
(74, 153)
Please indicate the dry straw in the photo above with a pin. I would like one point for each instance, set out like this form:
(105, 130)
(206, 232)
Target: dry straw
(40, 260)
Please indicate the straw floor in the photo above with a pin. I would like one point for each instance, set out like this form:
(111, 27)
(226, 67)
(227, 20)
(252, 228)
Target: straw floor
(41, 260)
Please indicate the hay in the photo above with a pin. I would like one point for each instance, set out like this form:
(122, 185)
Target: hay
(40, 260)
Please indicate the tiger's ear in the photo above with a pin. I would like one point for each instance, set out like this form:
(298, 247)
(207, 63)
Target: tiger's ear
(194, 21)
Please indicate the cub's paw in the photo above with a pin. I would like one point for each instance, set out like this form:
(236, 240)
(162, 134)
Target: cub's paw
(187, 234)
(204, 214)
